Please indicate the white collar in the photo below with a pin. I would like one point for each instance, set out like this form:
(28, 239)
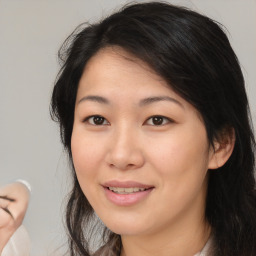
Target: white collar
(205, 250)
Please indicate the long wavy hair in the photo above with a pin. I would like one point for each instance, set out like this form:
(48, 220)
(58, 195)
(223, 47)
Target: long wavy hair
(192, 53)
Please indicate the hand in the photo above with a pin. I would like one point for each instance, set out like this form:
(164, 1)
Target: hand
(14, 200)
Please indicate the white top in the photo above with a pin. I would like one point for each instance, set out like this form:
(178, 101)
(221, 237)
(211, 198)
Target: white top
(205, 250)
(19, 244)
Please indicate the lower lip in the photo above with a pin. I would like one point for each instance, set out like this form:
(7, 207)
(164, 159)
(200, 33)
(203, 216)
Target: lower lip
(127, 199)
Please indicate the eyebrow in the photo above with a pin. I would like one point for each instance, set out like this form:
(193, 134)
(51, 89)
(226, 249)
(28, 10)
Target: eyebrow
(143, 102)
(94, 98)
(151, 100)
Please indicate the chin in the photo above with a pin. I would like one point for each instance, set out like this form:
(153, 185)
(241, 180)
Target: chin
(127, 228)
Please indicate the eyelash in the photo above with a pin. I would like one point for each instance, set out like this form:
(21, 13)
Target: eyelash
(104, 121)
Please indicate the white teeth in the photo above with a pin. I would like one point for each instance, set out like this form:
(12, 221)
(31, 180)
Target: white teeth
(125, 190)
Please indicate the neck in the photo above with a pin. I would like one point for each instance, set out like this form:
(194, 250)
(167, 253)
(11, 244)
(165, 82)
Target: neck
(180, 243)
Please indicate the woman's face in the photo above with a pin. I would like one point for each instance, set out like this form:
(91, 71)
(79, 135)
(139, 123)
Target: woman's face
(140, 151)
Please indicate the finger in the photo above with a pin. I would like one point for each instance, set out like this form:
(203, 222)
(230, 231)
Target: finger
(7, 198)
(4, 203)
(5, 219)
(7, 210)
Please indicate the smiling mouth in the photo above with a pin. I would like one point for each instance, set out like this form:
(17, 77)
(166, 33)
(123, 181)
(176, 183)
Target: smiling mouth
(126, 193)
(122, 191)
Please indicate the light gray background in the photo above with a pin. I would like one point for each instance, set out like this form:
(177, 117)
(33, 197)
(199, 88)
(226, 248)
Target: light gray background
(31, 32)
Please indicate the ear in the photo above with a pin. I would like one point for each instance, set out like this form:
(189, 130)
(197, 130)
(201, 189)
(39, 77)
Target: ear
(223, 148)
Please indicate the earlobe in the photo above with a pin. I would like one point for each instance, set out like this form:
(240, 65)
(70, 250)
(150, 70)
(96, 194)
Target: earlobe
(223, 148)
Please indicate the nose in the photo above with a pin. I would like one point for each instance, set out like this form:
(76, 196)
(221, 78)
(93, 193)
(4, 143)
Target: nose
(125, 151)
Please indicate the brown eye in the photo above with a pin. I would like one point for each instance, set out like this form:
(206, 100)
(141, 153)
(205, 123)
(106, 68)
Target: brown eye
(96, 120)
(158, 120)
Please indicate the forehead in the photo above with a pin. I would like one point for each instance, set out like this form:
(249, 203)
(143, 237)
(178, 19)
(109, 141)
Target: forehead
(114, 68)
(115, 55)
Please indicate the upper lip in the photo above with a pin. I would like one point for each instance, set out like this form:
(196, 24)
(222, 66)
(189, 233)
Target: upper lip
(126, 184)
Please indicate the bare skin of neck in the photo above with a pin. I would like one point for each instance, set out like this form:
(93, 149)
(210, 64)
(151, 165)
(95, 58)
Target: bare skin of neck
(182, 243)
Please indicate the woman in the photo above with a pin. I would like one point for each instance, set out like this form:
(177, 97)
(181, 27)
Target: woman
(154, 115)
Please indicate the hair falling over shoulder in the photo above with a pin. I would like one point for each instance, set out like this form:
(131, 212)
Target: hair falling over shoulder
(192, 53)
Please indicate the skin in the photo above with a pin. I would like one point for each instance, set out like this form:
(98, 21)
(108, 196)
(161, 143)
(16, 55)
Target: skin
(173, 156)
(14, 200)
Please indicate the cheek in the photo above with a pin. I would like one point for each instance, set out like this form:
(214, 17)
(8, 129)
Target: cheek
(182, 162)
(86, 156)
(181, 174)
(179, 152)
